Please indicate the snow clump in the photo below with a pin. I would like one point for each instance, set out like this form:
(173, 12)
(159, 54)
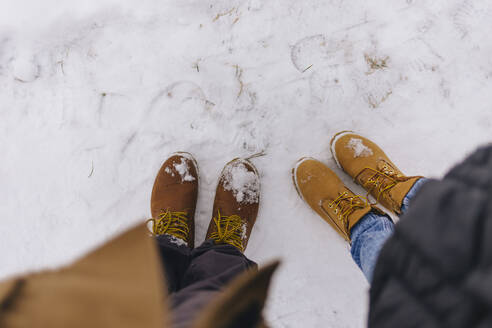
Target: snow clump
(244, 184)
(169, 171)
(360, 150)
(177, 241)
(244, 231)
(184, 171)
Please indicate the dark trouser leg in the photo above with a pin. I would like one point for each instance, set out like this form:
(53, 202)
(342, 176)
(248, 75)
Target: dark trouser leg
(211, 268)
(216, 265)
(175, 259)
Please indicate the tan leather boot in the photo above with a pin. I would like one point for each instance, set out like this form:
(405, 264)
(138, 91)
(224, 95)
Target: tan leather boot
(326, 194)
(236, 204)
(174, 197)
(370, 167)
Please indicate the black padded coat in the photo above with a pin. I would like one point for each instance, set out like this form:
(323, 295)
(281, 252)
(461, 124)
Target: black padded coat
(436, 270)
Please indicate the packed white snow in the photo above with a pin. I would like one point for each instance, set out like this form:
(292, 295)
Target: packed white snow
(243, 183)
(177, 241)
(358, 147)
(184, 170)
(96, 94)
(169, 171)
(244, 231)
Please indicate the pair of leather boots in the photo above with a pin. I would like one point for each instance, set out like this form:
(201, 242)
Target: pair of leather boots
(368, 165)
(174, 199)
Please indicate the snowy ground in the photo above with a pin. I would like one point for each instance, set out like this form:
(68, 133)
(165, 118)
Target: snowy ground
(95, 94)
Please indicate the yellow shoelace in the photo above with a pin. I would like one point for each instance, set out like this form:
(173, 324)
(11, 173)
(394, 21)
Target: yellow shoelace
(381, 181)
(230, 231)
(346, 205)
(171, 223)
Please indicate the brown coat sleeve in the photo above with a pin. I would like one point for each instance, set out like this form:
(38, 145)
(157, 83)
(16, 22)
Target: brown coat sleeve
(117, 285)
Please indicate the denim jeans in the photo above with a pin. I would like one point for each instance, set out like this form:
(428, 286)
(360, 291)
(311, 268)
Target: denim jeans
(371, 232)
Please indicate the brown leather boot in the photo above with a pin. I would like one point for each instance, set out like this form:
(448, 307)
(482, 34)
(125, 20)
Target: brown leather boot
(174, 197)
(369, 166)
(326, 194)
(236, 204)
